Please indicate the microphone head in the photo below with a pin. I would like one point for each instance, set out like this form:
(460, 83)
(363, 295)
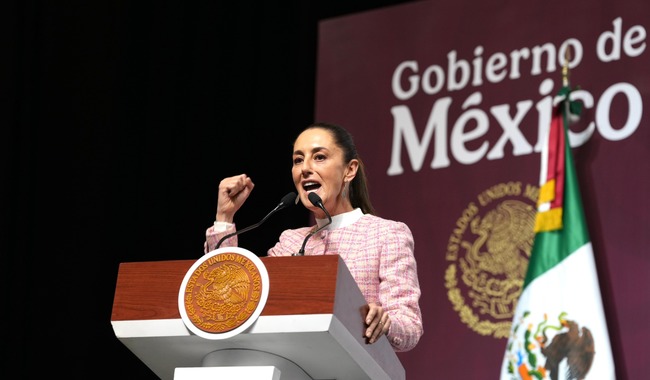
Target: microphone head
(288, 199)
(315, 200)
(318, 202)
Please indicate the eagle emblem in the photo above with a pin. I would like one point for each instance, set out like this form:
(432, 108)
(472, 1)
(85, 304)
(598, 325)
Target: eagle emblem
(550, 350)
(223, 291)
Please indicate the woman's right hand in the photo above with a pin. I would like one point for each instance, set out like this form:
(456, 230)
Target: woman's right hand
(233, 192)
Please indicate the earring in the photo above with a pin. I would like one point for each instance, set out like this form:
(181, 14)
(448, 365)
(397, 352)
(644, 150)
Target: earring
(344, 192)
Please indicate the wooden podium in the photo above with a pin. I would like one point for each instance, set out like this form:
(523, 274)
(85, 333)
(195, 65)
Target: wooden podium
(311, 323)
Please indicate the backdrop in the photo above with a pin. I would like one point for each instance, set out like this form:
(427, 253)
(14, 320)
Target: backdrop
(446, 101)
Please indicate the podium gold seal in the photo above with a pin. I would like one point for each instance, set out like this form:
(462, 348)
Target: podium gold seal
(223, 291)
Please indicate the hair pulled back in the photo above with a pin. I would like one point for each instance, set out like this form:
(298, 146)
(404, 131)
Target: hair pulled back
(358, 190)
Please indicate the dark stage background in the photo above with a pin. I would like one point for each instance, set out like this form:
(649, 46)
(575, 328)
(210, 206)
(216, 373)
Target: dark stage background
(119, 119)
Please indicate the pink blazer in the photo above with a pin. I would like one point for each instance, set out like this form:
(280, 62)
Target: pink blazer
(379, 254)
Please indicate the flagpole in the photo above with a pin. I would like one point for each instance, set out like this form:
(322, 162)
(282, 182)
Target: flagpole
(565, 84)
(565, 68)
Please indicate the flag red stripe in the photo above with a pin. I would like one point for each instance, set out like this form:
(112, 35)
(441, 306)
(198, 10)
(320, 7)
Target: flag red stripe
(556, 143)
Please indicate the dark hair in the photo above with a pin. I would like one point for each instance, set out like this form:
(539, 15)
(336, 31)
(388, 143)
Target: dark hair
(359, 196)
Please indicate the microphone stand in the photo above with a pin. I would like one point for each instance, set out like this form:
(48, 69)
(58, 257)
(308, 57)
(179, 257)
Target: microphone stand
(286, 201)
(318, 202)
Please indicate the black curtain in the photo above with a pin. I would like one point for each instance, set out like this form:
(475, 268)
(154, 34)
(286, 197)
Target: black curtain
(119, 119)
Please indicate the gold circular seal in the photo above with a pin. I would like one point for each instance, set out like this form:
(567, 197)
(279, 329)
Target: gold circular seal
(223, 291)
(488, 253)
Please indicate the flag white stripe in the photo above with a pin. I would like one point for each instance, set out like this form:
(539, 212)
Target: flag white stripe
(572, 287)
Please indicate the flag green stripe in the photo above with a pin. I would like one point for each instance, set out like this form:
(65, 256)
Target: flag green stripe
(551, 247)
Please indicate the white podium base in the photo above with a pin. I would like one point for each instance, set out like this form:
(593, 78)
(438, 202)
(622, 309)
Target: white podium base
(247, 358)
(227, 373)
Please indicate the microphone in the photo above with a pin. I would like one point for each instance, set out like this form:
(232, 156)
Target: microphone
(287, 200)
(318, 202)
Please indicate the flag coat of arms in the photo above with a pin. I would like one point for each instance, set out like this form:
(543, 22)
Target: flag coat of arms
(559, 329)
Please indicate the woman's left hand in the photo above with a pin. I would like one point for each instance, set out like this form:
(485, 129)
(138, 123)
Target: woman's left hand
(377, 322)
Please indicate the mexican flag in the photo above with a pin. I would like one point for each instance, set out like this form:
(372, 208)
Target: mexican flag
(559, 329)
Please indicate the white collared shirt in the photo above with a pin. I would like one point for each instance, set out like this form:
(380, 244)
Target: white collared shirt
(341, 220)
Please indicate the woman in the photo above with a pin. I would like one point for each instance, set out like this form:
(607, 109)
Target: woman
(378, 252)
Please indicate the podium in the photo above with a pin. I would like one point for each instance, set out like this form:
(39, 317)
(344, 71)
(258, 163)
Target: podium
(311, 323)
